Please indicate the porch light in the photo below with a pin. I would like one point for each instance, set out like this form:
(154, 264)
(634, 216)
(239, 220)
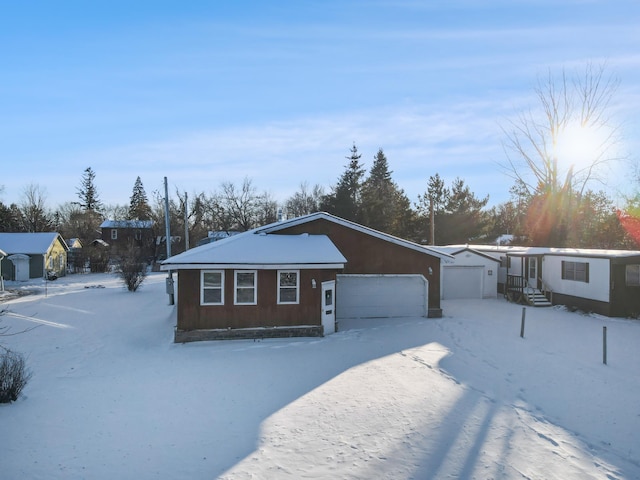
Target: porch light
(313, 283)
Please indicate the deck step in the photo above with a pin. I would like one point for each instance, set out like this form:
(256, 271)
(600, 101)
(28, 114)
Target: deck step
(538, 299)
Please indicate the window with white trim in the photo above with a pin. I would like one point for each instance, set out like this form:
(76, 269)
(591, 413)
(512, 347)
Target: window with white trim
(212, 287)
(288, 286)
(245, 287)
(632, 275)
(114, 234)
(577, 271)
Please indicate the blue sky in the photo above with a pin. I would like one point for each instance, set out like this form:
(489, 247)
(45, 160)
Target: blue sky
(204, 91)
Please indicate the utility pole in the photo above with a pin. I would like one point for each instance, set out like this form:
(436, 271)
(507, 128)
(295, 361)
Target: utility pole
(186, 223)
(432, 227)
(170, 290)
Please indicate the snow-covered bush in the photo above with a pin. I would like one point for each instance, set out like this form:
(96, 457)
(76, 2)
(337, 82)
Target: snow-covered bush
(132, 268)
(13, 375)
(133, 274)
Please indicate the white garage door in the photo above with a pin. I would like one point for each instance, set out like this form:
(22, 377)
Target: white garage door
(375, 296)
(462, 282)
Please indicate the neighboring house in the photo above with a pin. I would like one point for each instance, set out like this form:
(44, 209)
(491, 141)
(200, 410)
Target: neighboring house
(122, 235)
(602, 281)
(32, 255)
(300, 277)
(472, 274)
(74, 243)
(75, 256)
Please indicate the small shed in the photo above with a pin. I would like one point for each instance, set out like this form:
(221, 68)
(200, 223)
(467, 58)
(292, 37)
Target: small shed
(32, 255)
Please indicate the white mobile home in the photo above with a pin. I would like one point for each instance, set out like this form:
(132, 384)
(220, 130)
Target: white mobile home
(601, 281)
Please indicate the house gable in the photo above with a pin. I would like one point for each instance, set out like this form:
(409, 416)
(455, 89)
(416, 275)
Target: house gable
(371, 252)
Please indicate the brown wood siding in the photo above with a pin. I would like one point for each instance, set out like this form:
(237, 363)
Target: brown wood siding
(581, 303)
(366, 254)
(267, 312)
(127, 238)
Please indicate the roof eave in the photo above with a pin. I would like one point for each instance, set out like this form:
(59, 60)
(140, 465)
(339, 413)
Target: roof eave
(251, 266)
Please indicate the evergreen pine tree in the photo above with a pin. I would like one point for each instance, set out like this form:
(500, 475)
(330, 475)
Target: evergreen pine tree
(87, 192)
(385, 206)
(11, 219)
(345, 200)
(139, 208)
(458, 213)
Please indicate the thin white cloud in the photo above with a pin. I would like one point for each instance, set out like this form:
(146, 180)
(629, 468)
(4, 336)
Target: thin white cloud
(418, 142)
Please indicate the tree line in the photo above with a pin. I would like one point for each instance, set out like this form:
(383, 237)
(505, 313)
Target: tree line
(371, 198)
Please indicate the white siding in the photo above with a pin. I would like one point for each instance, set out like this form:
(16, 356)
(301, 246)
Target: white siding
(596, 289)
(473, 275)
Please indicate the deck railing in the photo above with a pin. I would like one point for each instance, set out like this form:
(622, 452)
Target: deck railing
(516, 283)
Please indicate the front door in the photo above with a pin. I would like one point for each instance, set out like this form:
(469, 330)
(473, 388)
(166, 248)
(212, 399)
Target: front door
(533, 272)
(328, 304)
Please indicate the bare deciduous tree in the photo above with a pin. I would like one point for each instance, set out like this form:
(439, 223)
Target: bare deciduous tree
(33, 207)
(564, 144)
(305, 200)
(554, 153)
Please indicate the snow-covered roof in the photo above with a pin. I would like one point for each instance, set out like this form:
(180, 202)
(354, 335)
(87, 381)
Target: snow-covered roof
(504, 239)
(454, 250)
(576, 252)
(74, 243)
(260, 250)
(127, 224)
(29, 243)
(592, 252)
(277, 226)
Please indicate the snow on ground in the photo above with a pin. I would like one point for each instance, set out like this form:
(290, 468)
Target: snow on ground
(459, 397)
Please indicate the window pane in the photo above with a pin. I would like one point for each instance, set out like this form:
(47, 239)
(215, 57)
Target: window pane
(212, 295)
(571, 270)
(328, 298)
(288, 295)
(581, 272)
(288, 279)
(633, 275)
(212, 279)
(245, 295)
(245, 279)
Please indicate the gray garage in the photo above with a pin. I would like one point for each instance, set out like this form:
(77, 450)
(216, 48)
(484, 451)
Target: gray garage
(462, 282)
(471, 275)
(381, 296)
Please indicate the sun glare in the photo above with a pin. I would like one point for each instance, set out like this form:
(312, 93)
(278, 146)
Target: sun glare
(579, 146)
